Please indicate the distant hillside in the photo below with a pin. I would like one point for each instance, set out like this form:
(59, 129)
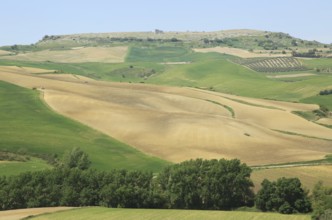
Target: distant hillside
(245, 39)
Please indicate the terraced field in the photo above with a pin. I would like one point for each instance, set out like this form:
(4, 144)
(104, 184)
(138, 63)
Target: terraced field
(279, 64)
(182, 123)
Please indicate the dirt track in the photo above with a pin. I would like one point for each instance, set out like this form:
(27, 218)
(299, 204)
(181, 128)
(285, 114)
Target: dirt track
(23, 213)
(179, 123)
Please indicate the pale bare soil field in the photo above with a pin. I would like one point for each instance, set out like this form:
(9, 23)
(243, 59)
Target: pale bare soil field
(23, 213)
(325, 121)
(309, 175)
(238, 52)
(291, 75)
(15, 69)
(75, 55)
(177, 124)
(4, 52)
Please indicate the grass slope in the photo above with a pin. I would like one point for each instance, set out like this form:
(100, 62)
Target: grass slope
(145, 214)
(27, 125)
(8, 168)
(224, 76)
(325, 100)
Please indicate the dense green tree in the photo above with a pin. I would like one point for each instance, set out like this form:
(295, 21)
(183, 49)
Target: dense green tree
(284, 195)
(76, 158)
(207, 184)
(194, 184)
(321, 200)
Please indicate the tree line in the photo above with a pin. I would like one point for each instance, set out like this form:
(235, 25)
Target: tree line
(195, 184)
(326, 92)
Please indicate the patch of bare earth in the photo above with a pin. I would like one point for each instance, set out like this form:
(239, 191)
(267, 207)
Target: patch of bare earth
(177, 124)
(15, 69)
(291, 75)
(23, 213)
(238, 52)
(4, 52)
(76, 55)
(325, 121)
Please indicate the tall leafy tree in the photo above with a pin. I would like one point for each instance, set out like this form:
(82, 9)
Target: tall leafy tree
(76, 158)
(284, 195)
(207, 184)
(321, 200)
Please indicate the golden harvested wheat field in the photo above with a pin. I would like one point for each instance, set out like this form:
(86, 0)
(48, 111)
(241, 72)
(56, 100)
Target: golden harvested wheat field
(238, 52)
(177, 124)
(309, 175)
(325, 121)
(76, 55)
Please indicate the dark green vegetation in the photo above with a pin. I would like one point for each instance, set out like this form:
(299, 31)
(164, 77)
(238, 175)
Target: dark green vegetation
(207, 184)
(198, 184)
(30, 128)
(195, 184)
(321, 201)
(284, 195)
(325, 92)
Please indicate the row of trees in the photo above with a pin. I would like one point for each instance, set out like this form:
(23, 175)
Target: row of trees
(309, 54)
(326, 92)
(195, 184)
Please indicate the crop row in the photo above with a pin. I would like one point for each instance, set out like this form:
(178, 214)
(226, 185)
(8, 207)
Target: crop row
(279, 64)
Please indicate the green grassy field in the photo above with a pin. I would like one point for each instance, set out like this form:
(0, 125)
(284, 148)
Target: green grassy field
(224, 76)
(17, 167)
(28, 125)
(210, 71)
(325, 100)
(145, 214)
(157, 54)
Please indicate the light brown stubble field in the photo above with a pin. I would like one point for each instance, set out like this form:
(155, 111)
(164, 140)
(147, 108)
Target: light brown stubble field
(75, 55)
(177, 124)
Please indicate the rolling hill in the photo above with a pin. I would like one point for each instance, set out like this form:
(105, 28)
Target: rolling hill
(176, 95)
